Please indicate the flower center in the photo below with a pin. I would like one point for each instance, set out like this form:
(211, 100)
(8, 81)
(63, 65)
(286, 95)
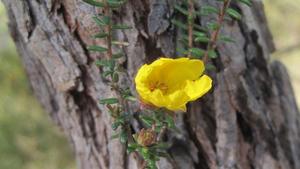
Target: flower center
(159, 85)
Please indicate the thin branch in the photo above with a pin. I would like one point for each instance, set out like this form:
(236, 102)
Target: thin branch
(114, 86)
(108, 29)
(162, 132)
(191, 25)
(214, 37)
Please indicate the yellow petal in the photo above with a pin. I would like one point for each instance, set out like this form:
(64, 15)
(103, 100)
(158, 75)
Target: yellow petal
(178, 100)
(182, 69)
(143, 74)
(158, 99)
(141, 81)
(196, 89)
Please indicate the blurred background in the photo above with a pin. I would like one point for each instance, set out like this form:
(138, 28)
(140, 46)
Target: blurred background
(28, 138)
(284, 22)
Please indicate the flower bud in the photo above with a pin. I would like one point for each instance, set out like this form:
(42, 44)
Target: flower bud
(146, 137)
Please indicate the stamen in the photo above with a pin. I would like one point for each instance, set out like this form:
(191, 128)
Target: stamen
(158, 85)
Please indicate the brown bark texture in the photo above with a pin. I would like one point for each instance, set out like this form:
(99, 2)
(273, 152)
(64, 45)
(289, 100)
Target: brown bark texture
(248, 121)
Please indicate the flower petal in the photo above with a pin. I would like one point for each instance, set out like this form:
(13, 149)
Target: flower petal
(178, 101)
(183, 69)
(175, 72)
(143, 74)
(141, 81)
(158, 99)
(197, 88)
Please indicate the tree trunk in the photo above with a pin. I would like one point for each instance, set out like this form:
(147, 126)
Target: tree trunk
(249, 121)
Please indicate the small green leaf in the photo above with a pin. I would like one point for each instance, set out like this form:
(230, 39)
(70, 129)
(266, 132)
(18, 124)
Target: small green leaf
(106, 63)
(197, 33)
(115, 77)
(115, 3)
(184, 41)
(170, 122)
(111, 3)
(132, 147)
(103, 21)
(210, 67)
(163, 154)
(121, 27)
(109, 101)
(115, 125)
(107, 73)
(206, 10)
(145, 153)
(233, 13)
(181, 10)
(131, 98)
(247, 2)
(162, 145)
(226, 39)
(94, 3)
(200, 28)
(120, 43)
(213, 26)
(96, 48)
(151, 163)
(197, 52)
(212, 54)
(100, 35)
(179, 24)
(148, 121)
(202, 39)
(123, 136)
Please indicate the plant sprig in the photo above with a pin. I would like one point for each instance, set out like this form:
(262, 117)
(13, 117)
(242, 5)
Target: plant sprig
(111, 69)
(146, 143)
(204, 34)
(149, 143)
(214, 35)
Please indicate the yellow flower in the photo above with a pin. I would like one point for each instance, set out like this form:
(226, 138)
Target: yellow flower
(172, 83)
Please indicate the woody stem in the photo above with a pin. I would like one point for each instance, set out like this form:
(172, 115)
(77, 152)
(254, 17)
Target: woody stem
(214, 36)
(107, 12)
(190, 25)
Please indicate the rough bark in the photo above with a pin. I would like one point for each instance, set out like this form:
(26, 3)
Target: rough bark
(249, 121)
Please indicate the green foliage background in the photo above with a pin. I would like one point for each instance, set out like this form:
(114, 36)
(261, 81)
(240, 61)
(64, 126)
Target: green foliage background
(28, 138)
